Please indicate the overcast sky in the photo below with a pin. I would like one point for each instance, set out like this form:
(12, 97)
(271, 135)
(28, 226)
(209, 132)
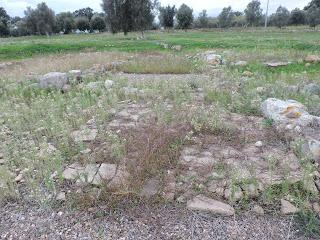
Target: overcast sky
(16, 7)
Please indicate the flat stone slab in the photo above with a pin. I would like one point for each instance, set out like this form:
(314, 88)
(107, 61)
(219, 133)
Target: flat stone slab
(203, 203)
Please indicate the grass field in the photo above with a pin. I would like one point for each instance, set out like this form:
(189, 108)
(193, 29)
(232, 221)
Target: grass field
(163, 105)
(246, 40)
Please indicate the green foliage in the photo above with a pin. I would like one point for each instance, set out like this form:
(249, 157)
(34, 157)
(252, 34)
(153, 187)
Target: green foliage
(82, 23)
(281, 17)
(226, 17)
(313, 16)
(253, 13)
(297, 17)
(40, 20)
(84, 12)
(98, 23)
(166, 16)
(65, 22)
(4, 19)
(203, 19)
(184, 17)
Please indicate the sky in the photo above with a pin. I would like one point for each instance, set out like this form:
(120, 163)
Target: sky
(17, 7)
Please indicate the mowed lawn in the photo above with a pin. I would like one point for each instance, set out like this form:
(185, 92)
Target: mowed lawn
(245, 40)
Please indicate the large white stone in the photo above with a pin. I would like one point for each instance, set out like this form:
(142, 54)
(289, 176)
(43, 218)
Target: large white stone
(53, 80)
(202, 203)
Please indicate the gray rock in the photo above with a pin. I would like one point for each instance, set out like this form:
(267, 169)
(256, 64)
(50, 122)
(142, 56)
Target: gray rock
(233, 194)
(241, 63)
(202, 203)
(287, 112)
(287, 207)
(212, 58)
(312, 89)
(85, 134)
(108, 84)
(312, 59)
(314, 147)
(277, 64)
(53, 80)
(258, 210)
(151, 188)
(94, 86)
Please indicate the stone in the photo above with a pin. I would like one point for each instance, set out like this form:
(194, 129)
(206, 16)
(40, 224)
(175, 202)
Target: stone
(259, 144)
(203, 203)
(287, 112)
(19, 178)
(61, 196)
(110, 174)
(258, 210)
(66, 88)
(108, 84)
(287, 208)
(53, 80)
(177, 48)
(314, 147)
(212, 58)
(312, 59)
(312, 89)
(241, 63)
(85, 134)
(151, 188)
(277, 64)
(316, 207)
(260, 89)
(233, 194)
(75, 76)
(94, 86)
(130, 90)
(86, 151)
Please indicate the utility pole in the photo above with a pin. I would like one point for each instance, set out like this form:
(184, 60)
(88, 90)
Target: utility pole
(266, 20)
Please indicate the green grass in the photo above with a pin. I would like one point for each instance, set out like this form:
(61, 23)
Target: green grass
(25, 47)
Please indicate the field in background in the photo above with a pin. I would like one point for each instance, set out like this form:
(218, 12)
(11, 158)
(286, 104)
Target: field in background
(298, 39)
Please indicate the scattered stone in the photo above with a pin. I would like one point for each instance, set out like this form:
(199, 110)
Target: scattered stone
(316, 207)
(151, 188)
(19, 178)
(75, 76)
(176, 48)
(312, 59)
(202, 203)
(85, 134)
(307, 65)
(61, 196)
(261, 89)
(259, 144)
(53, 80)
(233, 194)
(258, 210)
(312, 89)
(241, 63)
(108, 84)
(277, 64)
(287, 112)
(130, 90)
(212, 58)
(287, 207)
(86, 151)
(94, 86)
(314, 147)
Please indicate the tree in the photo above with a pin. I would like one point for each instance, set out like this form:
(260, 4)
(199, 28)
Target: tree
(226, 17)
(84, 12)
(313, 3)
(112, 8)
(297, 17)
(281, 17)
(98, 23)
(65, 22)
(253, 13)
(4, 19)
(82, 23)
(203, 19)
(166, 16)
(40, 20)
(184, 17)
(313, 16)
(143, 16)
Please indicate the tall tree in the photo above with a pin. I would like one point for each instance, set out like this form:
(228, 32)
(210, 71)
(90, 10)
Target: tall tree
(166, 16)
(297, 17)
(313, 3)
(203, 19)
(84, 12)
(82, 23)
(313, 16)
(112, 8)
(281, 17)
(65, 22)
(40, 20)
(4, 19)
(226, 17)
(184, 17)
(98, 23)
(253, 13)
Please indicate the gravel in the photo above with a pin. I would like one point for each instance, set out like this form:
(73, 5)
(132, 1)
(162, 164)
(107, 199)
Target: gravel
(19, 221)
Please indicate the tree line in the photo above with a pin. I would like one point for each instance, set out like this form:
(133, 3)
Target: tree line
(140, 15)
